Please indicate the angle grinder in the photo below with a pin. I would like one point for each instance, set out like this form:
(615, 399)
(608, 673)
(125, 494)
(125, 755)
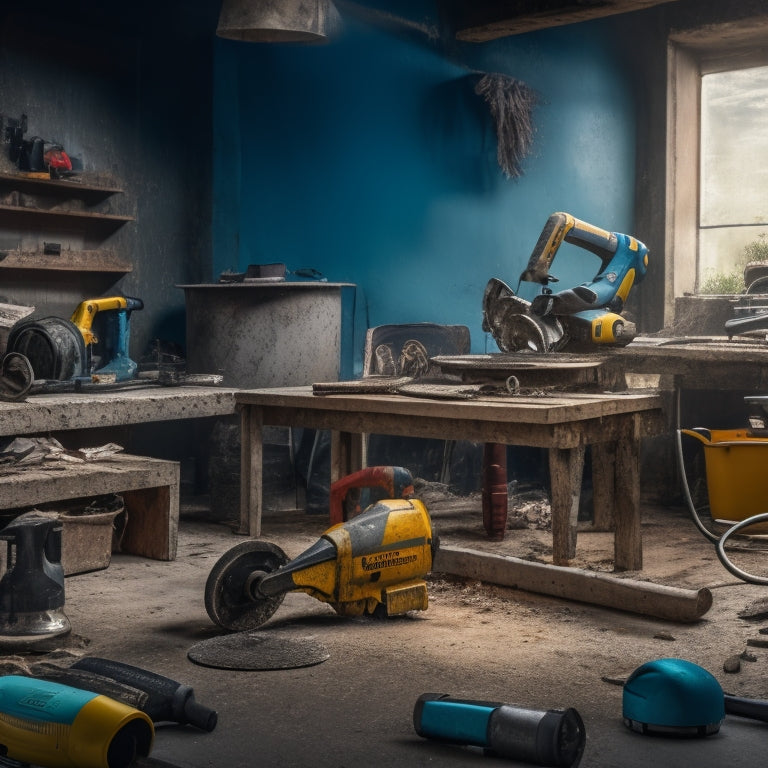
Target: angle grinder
(375, 563)
(674, 697)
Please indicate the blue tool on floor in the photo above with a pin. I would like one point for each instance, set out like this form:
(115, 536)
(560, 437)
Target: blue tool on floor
(674, 697)
(551, 738)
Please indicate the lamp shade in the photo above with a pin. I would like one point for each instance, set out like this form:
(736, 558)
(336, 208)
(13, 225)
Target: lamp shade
(277, 21)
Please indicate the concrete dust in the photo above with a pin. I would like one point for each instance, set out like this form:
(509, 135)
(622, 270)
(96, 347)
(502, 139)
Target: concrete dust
(476, 640)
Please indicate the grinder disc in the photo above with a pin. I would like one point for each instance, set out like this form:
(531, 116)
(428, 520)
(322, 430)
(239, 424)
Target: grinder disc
(258, 651)
(226, 599)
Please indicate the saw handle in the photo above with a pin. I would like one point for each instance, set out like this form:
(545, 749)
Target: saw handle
(562, 226)
(396, 481)
(755, 709)
(87, 310)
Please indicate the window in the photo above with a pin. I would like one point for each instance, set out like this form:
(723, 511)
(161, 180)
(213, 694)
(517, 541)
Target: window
(717, 155)
(733, 197)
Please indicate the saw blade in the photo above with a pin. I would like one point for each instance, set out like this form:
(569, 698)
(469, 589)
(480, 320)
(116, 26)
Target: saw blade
(513, 325)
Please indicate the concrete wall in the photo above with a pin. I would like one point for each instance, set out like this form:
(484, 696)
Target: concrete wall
(371, 159)
(125, 87)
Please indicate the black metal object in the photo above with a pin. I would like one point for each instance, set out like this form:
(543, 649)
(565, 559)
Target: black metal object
(32, 588)
(54, 347)
(168, 701)
(228, 600)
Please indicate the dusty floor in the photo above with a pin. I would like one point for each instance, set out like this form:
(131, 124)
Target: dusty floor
(475, 641)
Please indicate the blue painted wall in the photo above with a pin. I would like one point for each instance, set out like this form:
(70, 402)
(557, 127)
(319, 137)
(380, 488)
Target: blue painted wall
(371, 159)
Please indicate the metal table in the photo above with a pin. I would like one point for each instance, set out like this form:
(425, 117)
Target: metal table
(565, 423)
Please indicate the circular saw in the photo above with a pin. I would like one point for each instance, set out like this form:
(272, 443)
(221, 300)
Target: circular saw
(587, 315)
(514, 326)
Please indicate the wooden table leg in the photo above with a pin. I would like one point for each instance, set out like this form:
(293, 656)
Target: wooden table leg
(628, 548)
(566, 468)
(603, 485)
(251, 470)
(346, 454)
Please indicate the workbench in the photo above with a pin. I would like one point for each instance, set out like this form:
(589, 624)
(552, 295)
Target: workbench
(43, 414)
(565, 423)
(710, 362)
(150, 486)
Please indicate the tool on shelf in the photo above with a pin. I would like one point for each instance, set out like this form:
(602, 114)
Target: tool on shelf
(114, 338)
(61, 350)
(374, 563)
(77, 356)
(585, 316)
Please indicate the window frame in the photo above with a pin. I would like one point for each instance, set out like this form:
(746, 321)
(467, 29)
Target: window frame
(690, 55)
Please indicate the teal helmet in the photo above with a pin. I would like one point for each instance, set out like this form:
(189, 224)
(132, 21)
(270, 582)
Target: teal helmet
(673, 697)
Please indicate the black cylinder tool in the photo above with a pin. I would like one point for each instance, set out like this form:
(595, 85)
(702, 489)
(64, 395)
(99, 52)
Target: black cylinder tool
(167, 700)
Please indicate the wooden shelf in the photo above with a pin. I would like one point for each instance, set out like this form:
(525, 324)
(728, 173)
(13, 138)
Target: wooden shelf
(76, 187)
(61, 215)
(67, 261)
(34, 208)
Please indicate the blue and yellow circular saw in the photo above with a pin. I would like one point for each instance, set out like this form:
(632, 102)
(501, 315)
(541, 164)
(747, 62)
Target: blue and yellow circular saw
(588, 315)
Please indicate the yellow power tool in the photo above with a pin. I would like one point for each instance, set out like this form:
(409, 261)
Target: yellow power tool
(374, 563)
(114, 340)
(587, 315)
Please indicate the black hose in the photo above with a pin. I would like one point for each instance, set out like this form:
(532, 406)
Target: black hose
(719, 541)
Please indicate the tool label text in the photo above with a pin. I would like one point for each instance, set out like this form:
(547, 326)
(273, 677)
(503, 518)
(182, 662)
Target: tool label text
(387, 560)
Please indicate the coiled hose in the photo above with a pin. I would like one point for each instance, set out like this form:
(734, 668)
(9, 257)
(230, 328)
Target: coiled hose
(718, 541)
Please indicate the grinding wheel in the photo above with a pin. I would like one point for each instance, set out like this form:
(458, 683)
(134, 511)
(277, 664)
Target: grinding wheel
(226, 597)
(258, 651)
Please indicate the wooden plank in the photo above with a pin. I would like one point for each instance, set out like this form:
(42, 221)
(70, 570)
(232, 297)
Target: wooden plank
(67, 261)
(152, 528)
(663, 602)
(107, 218)
(74, 187)
(551, 409)
(606, 428)
(492, 20)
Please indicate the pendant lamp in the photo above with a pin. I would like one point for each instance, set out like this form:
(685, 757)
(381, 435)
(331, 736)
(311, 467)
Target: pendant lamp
(277, 21)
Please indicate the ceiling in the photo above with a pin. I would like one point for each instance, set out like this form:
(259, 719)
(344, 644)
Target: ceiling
(482, 20)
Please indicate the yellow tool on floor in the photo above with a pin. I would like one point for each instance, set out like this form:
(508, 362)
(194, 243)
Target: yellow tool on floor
(374, 563)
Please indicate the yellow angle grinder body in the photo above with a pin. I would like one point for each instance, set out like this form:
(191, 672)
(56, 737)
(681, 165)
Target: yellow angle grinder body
(375, 563)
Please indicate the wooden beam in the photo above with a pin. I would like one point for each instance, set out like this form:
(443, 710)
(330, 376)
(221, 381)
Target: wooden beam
(663, 602)
(492, 20)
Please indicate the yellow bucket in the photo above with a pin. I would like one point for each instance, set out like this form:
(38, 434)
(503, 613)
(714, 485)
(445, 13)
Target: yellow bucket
(737, 475)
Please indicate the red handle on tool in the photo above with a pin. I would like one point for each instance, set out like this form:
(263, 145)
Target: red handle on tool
(396, 481)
